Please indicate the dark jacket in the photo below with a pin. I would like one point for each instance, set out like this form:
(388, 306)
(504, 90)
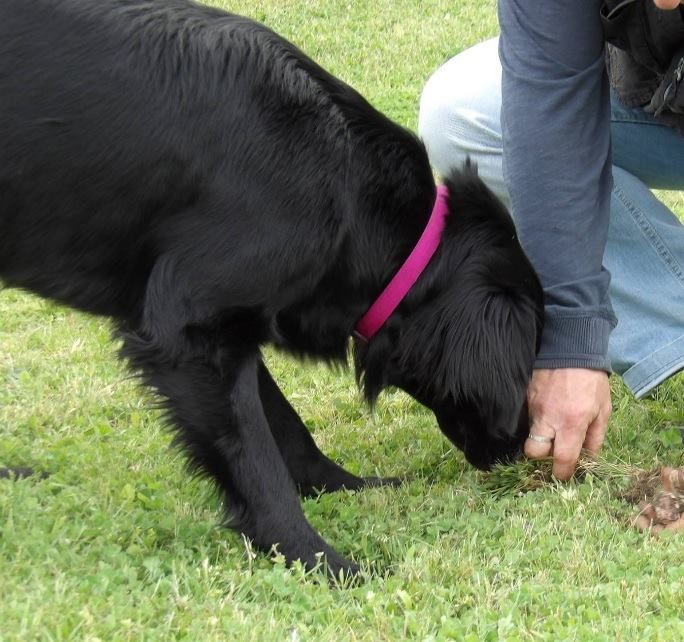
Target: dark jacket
(645, 57)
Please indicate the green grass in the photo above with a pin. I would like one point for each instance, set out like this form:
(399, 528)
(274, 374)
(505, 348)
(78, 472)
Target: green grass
(120, 544)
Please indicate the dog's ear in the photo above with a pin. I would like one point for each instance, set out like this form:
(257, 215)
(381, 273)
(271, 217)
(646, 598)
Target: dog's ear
(475, 210)
(494, 369)
(477, 348)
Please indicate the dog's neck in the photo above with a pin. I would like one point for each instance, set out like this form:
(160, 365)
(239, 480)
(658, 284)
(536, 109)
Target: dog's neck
(404, 279)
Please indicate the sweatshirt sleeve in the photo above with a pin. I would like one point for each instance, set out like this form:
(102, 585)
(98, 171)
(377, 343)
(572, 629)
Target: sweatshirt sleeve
(555, 120)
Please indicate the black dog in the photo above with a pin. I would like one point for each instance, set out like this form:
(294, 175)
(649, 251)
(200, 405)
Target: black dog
(198, 179)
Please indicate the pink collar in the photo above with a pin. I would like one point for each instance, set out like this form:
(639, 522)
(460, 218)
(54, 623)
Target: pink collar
(408, 273)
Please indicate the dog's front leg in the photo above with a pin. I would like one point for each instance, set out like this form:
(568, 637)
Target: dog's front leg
(311, 470)
(214, 403)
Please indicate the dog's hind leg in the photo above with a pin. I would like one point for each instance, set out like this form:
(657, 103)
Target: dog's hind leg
(213, 401)
(311, 470)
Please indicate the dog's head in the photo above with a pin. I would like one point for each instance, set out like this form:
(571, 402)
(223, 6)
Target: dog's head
(464, 340)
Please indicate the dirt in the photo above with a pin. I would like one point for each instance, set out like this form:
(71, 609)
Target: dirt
(659, 495)
(644, 486)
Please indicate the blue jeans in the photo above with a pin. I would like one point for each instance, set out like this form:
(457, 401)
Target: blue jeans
(460, 116)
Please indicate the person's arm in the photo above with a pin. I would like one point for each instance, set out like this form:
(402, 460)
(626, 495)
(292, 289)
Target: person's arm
(556, 127)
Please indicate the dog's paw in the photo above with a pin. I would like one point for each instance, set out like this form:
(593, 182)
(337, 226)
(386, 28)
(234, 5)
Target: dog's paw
(342, 572)
(327, 561)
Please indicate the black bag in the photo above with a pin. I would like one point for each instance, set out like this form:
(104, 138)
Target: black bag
(651, 56)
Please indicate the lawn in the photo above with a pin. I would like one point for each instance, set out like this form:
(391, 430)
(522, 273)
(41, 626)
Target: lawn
(120, 544)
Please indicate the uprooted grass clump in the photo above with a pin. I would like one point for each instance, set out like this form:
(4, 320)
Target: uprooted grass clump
(643, 485)
(658, 492)
(529, 475)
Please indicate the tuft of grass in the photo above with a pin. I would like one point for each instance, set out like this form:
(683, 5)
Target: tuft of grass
(120, 544)
(626, 481)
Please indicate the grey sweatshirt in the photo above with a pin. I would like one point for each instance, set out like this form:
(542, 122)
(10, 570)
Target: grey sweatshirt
(556, 146)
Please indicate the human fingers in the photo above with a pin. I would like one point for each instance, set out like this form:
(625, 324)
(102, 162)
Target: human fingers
(596, 433)
(539, 442)
(567, 448)
(667, 4)
(570, 406)
(582, 421)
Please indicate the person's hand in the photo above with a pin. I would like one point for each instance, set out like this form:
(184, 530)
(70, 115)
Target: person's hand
(569, 410)
(667, 4)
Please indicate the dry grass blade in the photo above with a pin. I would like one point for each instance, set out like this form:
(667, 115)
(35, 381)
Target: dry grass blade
(530, 475)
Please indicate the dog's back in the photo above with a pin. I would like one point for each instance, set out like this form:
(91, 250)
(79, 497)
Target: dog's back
(88, 161)
(126, 125)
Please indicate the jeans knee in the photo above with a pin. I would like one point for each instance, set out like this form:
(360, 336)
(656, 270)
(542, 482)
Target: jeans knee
(460, 107)
(442, 122)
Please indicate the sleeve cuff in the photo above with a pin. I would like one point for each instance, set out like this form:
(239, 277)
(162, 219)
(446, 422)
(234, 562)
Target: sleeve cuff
(575, 342)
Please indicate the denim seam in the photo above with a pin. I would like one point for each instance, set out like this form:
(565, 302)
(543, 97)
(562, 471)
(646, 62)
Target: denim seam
(652, 237)
(637, 121)
(653, 376)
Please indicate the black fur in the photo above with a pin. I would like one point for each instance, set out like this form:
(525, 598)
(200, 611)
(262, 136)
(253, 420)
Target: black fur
(197, 178)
